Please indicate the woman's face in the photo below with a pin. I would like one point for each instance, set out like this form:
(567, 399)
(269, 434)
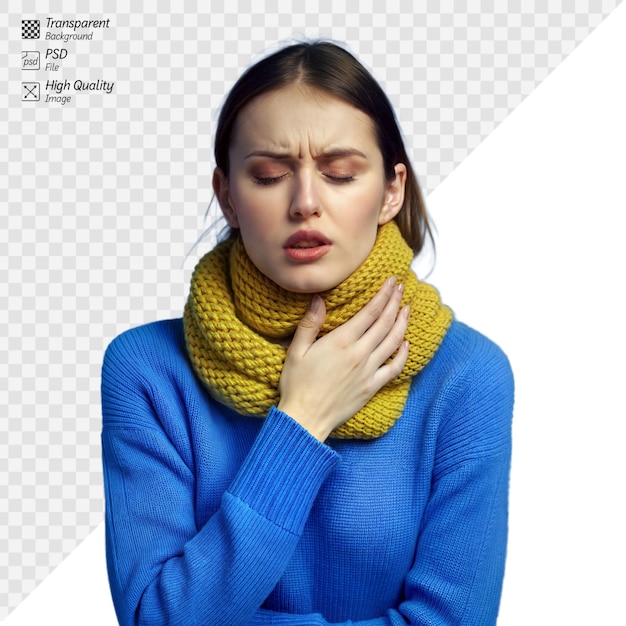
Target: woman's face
(306, 187)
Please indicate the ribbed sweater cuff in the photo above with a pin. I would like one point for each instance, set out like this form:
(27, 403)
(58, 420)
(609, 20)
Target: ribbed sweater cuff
(283, 472)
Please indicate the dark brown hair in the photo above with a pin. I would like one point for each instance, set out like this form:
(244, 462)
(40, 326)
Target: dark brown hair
(326, 66)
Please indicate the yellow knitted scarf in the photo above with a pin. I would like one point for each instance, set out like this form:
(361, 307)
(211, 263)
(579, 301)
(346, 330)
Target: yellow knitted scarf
(235, 314)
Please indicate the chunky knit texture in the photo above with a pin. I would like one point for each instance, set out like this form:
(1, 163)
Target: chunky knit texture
(233, 308)
(213, 518)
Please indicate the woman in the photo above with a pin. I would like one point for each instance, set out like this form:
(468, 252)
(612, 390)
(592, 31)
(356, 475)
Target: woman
(317, 441)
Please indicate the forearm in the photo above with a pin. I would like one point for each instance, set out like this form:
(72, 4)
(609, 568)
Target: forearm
(271, 618)
(224, 573)
(457, 574)
(164, 570)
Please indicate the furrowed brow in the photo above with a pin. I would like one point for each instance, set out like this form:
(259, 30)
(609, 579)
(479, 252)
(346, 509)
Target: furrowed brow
(332, 153)
(269, 154)
(338, 153)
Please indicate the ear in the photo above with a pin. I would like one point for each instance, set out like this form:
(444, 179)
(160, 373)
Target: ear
(222, 193)
(394, 195)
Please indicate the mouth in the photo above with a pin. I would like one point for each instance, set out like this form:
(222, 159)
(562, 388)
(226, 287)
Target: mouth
(307, 245)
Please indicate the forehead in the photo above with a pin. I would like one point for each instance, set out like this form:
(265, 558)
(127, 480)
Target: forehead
(300, 118)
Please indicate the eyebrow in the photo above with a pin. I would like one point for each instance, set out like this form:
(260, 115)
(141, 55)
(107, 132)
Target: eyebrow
(334, 153)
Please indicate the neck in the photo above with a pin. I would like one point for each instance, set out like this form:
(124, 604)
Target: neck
(238, 324)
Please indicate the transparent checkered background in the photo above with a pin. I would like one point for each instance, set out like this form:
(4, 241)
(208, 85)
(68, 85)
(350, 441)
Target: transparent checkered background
(103, 198)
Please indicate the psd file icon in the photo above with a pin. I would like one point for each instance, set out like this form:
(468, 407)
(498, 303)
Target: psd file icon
(31, 60)
(30, 92)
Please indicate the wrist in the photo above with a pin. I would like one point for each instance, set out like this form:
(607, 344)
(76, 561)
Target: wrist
(310, 422)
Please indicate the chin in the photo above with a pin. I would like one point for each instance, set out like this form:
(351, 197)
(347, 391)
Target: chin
(305, 288)
(310, 284)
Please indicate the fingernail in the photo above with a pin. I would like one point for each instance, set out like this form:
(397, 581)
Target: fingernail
(315, 303)
(391, 281)
(400, 287)
(406, 311)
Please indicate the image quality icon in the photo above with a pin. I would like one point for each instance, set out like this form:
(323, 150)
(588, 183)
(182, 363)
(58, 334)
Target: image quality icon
(30, 92)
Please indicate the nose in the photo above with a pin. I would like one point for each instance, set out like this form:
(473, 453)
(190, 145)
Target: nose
(305, 200)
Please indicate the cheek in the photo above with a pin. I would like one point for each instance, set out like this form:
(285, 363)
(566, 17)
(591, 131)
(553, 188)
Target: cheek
(256, 223)
(364, 212)
(250, 211)
(251, 197)
(252, 226)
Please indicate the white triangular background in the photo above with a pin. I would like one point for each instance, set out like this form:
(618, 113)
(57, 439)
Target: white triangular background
(531, 252)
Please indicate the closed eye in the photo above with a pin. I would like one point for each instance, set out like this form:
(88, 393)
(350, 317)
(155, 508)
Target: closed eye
(268, 180)
(340, 179)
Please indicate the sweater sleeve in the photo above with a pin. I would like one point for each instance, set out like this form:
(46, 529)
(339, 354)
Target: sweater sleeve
(162, 568)
(459, 567)
(457, 574)
(457, 577)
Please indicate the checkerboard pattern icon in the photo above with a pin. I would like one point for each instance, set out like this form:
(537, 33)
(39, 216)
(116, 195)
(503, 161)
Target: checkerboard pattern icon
(30, 29)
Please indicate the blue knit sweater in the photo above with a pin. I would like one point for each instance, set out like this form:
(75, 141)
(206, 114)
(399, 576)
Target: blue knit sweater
(213, 518)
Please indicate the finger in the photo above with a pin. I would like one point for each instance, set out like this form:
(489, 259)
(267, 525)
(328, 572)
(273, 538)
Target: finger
(309, 326)
(371, 312)
(386, 321)
(390, 370)
(393, 340)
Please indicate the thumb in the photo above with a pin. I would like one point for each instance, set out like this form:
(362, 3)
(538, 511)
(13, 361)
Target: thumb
(309, 326)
